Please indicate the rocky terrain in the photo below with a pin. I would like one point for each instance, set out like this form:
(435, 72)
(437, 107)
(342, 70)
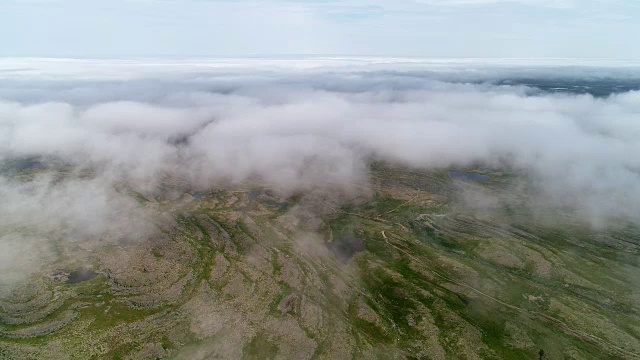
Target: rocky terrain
(414, 265)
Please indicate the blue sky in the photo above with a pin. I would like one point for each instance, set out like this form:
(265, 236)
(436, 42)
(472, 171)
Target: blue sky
(425, 28)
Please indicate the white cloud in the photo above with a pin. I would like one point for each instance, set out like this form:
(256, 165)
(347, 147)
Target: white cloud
(295, 124)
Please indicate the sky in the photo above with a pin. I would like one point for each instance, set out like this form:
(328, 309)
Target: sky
(420, 28)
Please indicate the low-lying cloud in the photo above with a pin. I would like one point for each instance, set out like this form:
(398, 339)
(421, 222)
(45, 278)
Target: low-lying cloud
(295, 128)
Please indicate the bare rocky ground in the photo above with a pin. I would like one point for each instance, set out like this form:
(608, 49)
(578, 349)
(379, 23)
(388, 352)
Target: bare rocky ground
(405, 269)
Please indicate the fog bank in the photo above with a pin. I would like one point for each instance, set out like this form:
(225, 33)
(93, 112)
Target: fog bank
(299, 125)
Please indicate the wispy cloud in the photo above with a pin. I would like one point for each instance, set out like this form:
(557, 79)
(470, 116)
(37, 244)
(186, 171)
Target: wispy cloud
(558, 4)
(292, 124)
(449, 28)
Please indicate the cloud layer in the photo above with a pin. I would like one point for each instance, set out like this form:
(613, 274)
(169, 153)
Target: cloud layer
(318, 124)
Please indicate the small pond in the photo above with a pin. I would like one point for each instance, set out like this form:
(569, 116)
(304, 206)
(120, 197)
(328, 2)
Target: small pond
(346, 246)
(81, 275)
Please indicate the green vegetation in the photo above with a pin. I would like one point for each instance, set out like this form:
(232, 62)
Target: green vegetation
(237, 277)
(260, 348)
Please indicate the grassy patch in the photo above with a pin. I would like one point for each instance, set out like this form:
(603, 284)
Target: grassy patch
(260, 347)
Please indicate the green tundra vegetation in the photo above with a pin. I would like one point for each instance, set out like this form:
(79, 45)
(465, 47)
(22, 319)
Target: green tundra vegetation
(417, 265)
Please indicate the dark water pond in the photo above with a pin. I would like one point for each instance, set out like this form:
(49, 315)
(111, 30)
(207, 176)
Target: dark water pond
(468, 176)
(346, 246)
(12, 166)
(28, 164)
(281, 205)
(81, 275)
(254, 194)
